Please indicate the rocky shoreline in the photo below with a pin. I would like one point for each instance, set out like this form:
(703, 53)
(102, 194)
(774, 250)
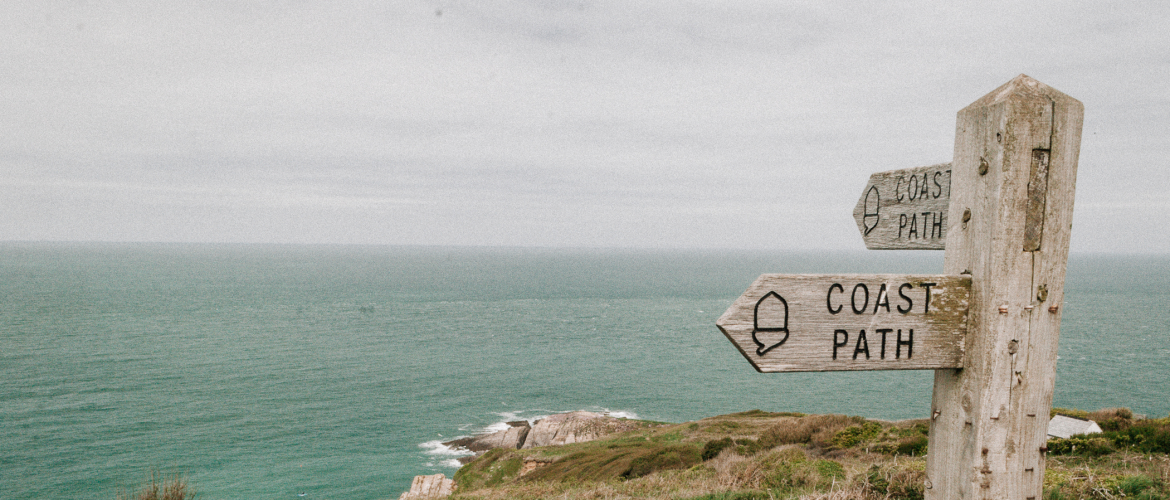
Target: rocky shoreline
(554, 430)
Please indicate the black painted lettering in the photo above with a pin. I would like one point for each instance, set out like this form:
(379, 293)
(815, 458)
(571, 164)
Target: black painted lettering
(898, 188)
(938, 187)
(901, 224)
(840, 339)
(912, 192)
(926, 308)
(925, 187)
(829, 298)
(948, 183)
(862, 346)
(853, 299)
(913, 232)
(883, 299)
(909, 301)
(936, 226)
(909, 343)
(884, 331)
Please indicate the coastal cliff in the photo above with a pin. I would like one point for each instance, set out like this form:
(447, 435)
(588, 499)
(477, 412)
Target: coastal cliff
(762, 455)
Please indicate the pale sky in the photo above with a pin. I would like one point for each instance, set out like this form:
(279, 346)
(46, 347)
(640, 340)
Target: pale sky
(546, 123)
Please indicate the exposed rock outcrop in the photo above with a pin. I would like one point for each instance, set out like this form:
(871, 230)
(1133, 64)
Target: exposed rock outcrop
(429, 487)
(512, 438)
(562, 428)
(573, 427)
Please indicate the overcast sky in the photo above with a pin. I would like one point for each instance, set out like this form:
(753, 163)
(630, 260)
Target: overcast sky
(546, 123)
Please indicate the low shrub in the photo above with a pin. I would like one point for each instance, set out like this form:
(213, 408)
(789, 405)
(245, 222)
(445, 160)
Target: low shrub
(621, 459)
(1145, 436)
(493, 468)
(851, 436)
(914, 446)
(895, 482)
(714, 446)
(1134, 486)
(816, 429)
(1113, 419)
(1081, 445)
(830, 469)
(173, 487)
(667, 458)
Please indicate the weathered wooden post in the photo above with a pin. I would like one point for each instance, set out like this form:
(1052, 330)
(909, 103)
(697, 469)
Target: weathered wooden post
(1013, 179)
(988, 326)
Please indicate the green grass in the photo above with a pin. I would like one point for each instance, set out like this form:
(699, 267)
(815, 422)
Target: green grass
(758, 455)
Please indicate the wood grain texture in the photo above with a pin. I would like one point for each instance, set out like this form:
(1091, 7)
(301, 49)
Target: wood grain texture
(905, 209)
(790, 323)
(990, 417)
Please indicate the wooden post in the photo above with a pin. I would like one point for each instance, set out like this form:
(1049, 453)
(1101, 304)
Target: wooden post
(1013, 179)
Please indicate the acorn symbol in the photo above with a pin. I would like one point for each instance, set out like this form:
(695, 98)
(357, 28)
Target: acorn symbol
(870, 217)
(774, 307)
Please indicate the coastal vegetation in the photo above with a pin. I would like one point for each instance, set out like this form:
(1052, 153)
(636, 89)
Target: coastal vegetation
(763, 455)
(160, 487)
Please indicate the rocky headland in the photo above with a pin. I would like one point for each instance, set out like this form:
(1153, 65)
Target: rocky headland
(758, 455)
(554, 430)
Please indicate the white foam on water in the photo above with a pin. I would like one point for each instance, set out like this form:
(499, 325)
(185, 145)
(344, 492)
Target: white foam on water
(621, 414)
(496, 427)
(438, 448)
(509, 415)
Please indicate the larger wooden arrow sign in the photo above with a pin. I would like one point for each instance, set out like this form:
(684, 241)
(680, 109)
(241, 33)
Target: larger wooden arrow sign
(792, 323)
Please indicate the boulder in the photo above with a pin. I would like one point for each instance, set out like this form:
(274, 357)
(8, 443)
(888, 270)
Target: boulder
(433, 486)
(573, 427)
(512, 438)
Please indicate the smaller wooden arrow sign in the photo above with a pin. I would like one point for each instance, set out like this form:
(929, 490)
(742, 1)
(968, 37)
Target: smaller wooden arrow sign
(905, 209)
(792, 323)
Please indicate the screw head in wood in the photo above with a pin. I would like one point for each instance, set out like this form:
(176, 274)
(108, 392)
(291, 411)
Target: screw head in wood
(1053, 309)
(1003, 309)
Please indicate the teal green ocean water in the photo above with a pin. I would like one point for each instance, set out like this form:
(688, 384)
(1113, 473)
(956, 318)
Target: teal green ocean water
(286, 372)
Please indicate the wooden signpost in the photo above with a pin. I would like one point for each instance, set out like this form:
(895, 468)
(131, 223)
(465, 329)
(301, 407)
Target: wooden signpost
(992, 326)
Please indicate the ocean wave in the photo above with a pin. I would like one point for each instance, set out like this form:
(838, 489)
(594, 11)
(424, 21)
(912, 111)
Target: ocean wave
(453, 463)
(438, 448)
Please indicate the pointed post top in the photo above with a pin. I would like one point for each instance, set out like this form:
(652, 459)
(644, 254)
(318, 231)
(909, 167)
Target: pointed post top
(1023, 86)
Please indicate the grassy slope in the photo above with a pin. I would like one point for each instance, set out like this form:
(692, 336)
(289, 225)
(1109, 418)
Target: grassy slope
(765, 455)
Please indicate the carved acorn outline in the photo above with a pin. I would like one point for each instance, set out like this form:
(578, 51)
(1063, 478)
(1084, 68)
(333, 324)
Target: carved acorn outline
(761, 348)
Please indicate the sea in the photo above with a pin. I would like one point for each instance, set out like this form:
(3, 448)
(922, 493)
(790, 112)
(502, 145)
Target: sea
(336, 372)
